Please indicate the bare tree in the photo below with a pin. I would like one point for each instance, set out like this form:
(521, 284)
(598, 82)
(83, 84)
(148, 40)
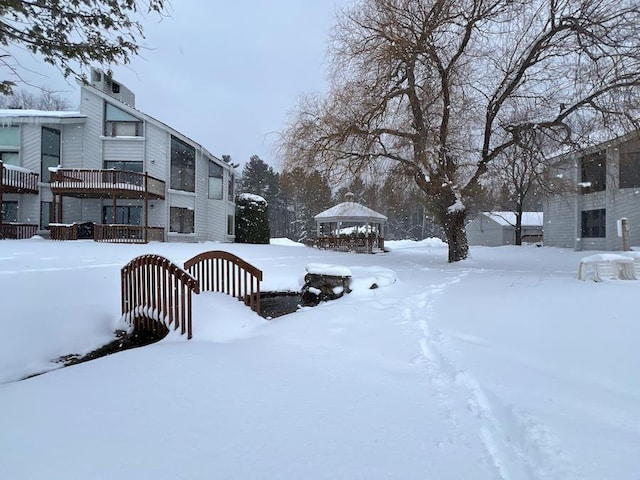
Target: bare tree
(439, 87)
(70, 34)
(45, 99)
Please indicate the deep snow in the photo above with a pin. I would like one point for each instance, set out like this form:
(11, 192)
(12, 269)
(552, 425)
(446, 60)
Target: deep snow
(504, 366)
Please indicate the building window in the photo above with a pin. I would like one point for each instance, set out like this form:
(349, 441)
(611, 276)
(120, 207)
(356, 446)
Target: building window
(9, 145)
(594, 223)
(131, 179)
(10, 158)
(125, 215)
(629, 170)
(215, 181)
(181, 220)
(118, 123)
(593, 172)
(46, 214)
(126, 166)
(9, 211)
(183, 166)
(230, 192)
(50, 151)
(230, 224)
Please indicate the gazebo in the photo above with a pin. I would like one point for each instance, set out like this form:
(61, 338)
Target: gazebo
(350, 227)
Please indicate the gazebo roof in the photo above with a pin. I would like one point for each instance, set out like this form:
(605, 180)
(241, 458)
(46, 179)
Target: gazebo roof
(350, 212)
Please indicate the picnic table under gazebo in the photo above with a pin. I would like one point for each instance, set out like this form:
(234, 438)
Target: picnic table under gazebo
(350, 227)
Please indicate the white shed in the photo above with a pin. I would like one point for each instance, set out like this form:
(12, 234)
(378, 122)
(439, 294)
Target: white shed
(493, 229)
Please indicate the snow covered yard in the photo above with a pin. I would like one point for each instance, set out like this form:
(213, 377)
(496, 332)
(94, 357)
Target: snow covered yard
(503, 366)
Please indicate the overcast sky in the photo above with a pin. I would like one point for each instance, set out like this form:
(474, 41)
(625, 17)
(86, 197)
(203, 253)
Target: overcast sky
(225, 73)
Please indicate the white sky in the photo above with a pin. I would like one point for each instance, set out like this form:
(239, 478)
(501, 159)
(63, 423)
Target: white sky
(223, 73)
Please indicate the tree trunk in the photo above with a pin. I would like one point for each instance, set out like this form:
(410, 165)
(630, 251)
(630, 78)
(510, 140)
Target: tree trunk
(456, 235)
(518, 225)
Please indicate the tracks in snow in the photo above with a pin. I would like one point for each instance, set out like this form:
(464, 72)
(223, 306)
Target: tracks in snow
(516, 446)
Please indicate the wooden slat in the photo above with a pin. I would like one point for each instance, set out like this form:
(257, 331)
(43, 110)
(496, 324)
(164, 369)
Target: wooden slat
(219, 271)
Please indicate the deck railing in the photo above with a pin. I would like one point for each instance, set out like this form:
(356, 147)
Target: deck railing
(14, 180)
(63, 231)
(218, 271)
(17, 231)
(351, 244)
(156, 290)
(69, 181)
(127, 233)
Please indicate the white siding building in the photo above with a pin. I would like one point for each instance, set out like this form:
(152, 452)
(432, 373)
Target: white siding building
(130, 176)
(494, 229)
(607, 180)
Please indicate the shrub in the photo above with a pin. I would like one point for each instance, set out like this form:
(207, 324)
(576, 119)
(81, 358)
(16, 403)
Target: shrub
(252, 219)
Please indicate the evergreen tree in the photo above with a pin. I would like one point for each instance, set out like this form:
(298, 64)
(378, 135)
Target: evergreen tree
(307, 194)
(252, 219)
(261, 179)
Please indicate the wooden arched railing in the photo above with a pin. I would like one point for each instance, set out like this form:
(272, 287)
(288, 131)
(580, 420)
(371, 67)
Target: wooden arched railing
(156, 291)
(218, 271)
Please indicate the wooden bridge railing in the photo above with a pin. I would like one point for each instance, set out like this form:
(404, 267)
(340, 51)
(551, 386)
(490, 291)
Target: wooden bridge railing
(218, 271)
(156, 290)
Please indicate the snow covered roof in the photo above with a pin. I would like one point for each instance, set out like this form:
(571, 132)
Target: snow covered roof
(350, 211)
(14, 115)
(508, 219)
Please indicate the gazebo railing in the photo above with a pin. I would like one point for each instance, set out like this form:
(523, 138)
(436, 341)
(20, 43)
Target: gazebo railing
(350, 244)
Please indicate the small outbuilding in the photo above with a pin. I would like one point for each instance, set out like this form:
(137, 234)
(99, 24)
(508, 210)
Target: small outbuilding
(494, 229)
(350, 227)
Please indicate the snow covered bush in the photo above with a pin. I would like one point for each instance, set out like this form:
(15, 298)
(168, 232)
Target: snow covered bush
(252, 219)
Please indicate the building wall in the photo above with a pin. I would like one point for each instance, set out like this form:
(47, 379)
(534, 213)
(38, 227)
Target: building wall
(91, 105)
(563, 214)
(485, 231)
(84, 146)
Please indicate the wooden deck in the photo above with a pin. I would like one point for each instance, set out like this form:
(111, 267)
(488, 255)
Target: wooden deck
(109, 233)
(17, 231)
(17, 180)
(84, 183)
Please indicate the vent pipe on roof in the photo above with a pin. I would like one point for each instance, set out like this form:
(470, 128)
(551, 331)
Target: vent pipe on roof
(349, 196)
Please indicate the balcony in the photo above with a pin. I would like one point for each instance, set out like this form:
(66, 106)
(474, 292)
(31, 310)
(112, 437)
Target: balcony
(18, 180)
(83, 183)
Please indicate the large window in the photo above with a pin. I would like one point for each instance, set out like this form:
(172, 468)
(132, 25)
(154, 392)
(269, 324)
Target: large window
(181, 220)
(132, 179)
(230, 185)
(46, 214)
(9, 211)
(593, 172)
(125, 215)
(183, 166)
(50, 151)
(9, 145)
(629, 170)
(216, 173)
(594, 223)
(118, 123)
(230, 224)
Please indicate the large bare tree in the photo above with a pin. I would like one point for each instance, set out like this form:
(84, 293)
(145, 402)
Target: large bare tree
(439, 87)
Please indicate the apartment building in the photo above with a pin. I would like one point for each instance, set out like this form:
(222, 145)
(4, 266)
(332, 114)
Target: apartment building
(109, 172)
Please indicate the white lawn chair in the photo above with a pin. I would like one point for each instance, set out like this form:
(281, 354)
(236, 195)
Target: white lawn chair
(607, 266)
